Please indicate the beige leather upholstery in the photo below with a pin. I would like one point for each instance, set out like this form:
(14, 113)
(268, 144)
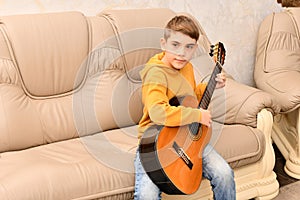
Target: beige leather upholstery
(70, 101)
(53, 72)
(277, 71)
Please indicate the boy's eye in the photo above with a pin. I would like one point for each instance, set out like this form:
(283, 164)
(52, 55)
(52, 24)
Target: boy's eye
(175, 44)
(190, 46)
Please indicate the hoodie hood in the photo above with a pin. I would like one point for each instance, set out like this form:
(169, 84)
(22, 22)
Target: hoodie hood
(156, 61)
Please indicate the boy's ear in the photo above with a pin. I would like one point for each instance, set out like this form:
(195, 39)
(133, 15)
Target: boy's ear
(163, 44)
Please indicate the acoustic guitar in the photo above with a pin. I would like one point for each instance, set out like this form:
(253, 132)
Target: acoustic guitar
(172, 156)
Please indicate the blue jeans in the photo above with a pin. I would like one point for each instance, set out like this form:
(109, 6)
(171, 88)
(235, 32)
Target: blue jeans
(214, 167)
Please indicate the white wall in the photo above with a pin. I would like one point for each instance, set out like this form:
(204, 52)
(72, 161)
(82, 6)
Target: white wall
(233, 22)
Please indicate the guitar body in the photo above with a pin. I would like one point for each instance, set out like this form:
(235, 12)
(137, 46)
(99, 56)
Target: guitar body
(172, 156)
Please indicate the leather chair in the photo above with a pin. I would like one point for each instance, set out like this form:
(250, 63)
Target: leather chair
(277, 71)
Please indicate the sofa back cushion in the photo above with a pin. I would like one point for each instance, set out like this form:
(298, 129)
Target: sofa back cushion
(48, 50)
(138, 33)
(43, 63)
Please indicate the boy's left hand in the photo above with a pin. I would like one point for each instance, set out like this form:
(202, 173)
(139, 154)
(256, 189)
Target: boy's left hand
(221, 80)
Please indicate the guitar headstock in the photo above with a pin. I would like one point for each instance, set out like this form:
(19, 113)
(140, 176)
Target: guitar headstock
(217, 51)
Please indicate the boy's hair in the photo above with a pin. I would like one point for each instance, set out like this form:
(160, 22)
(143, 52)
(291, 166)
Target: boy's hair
(182, 24)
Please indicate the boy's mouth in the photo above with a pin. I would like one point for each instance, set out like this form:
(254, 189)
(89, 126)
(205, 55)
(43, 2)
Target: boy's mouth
(179, 60)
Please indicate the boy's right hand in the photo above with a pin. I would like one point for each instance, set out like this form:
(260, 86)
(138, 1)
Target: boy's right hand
(205, 117)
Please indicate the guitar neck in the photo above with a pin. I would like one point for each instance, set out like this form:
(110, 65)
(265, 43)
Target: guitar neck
(208, 92)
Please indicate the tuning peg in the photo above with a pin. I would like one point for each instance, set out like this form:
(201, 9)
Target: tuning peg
(211, 53)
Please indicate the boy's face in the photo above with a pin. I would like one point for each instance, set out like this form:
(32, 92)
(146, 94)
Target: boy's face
(179, 49)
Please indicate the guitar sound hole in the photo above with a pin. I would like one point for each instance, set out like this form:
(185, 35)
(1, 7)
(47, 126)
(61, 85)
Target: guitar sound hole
(195, 131)
(194, 128)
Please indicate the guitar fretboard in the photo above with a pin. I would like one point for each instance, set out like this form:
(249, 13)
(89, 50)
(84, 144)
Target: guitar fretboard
(207, 95)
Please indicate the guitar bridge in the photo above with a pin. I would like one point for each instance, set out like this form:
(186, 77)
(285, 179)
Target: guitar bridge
(183, 155)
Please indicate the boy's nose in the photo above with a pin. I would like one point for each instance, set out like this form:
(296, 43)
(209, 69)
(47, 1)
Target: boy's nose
(181, 52)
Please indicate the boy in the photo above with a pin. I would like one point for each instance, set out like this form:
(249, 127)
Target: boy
(170, 74)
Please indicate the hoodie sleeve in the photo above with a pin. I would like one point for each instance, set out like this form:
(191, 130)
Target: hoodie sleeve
(156, 102)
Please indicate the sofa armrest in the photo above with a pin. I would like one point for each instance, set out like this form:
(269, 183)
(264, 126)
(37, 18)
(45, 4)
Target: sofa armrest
(237, 103)
(284, 86)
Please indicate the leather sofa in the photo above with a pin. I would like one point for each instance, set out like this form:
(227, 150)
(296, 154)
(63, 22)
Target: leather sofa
(277, 71)
(70, 101)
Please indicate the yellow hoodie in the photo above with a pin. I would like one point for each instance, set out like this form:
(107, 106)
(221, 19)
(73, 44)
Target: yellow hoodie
(160, 84)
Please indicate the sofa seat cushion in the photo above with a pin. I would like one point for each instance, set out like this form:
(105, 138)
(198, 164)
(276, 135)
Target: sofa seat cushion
(101, 165)
(69, 170)
(240, 145)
